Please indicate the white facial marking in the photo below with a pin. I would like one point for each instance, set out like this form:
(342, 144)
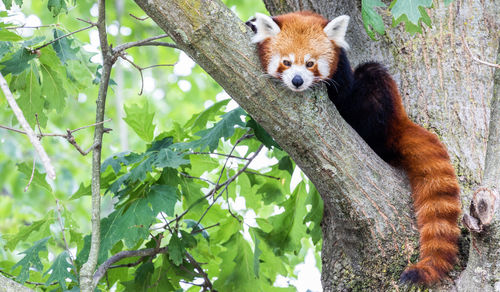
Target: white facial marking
(272, 67)
(301, 71)
(335, 30)
(306, 58)
(324, 67)
(266, 28)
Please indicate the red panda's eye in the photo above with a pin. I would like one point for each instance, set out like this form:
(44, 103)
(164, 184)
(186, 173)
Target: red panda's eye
(287, 63)
(309, 64)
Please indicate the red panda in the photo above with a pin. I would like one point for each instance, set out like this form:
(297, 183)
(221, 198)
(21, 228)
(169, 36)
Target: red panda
(302, 49)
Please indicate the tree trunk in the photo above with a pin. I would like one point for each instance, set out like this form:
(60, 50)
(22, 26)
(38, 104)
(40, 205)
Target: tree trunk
(369, 230)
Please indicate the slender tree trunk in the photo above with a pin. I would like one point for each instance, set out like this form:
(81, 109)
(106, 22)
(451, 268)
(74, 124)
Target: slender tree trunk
(369, 230)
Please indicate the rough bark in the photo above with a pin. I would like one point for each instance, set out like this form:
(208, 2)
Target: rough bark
(369, 230)
(8, 285)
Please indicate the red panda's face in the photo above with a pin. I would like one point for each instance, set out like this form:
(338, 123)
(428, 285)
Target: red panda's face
(299, 48)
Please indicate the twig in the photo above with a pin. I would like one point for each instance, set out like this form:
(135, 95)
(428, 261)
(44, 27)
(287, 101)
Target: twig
(68, 136)
(194, 177)
(261, 174)
(31, 134)
(119, 49)
(136, 67)
(207, 283)
(139, 18)
(63, 36)
(64, 237)
(121, 55)
(226, 183)
(158, 44)
(9, 276)
(205, 228)
(32, 175)
(220, 154)
(129, 265)
(35, 27)
(475, 58)
(99, 273)
(86, 21)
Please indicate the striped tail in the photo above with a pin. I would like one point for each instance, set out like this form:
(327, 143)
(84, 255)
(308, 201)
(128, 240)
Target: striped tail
(435, 193)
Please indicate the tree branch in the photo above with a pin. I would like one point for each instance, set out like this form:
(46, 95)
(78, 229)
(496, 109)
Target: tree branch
(86, 273)
(101, 271)
(31, 134)
(8, 285)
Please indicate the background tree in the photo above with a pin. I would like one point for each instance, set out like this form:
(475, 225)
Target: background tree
(368, 230)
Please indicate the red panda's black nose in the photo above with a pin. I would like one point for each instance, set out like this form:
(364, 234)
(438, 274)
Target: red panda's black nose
(297, 81)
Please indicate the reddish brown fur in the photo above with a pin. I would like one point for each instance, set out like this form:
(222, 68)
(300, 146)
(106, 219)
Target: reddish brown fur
(435, 192)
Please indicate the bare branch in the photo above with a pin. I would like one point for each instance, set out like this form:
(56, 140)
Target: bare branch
(194, 177)
(63, 36)
(32, 175)
(143, 42)
(139, 18)
(207, 284)
(87, 282)
(31, 134)
(35, 27)
(99, 273)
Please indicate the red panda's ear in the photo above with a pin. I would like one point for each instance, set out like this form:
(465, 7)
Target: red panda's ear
(335, 30)
(263, 26)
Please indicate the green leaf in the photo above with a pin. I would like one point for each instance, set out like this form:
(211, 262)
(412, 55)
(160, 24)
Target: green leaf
(63, 47)
(38, 178)
(31, 101)
(262, 135)
(31, 259)
(371, 18)
(53, 77)
(271, 193)
(26, 230)
(315, 215)
(8, 3)
(18, 62)
(238, 272)
(199, 121)
(56, 6)
(175, 249)
(288, 227)
(163, 199)
(141, 121)
(223, 129)
(170, 158)
(60, 270)
(410, 9)
(4, 48)
(7, 35)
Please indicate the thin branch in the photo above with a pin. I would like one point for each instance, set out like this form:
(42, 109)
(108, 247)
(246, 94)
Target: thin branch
(140, 69)
(35, 27)
(32, 175)
(158, 44)
(197, 266)
(86, 21)
(87, 281)
(63, 36)
(136, 67)
(139, 18)
(194, 177)
(220, 154)
(119, 49)
(64, 236)
(205, 228)
(229, 181)
(261, 174)
(99, 273)
(68, 136)
(475, 58)
(31, 134)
